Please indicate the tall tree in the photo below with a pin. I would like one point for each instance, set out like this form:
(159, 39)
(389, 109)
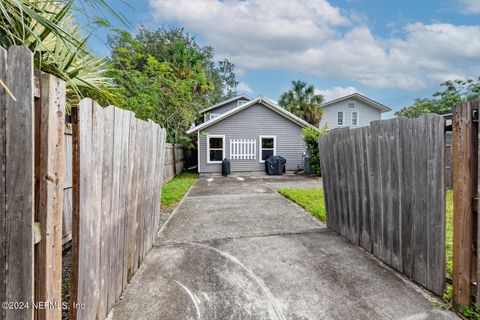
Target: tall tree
(165, 76)
(442, 102)
(302, 101)
(164, 44)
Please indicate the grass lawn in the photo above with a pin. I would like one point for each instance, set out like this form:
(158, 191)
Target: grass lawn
(174, 190)
(310, 199)
(449, 232)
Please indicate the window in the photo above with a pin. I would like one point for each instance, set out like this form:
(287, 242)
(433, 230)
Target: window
(351, 104)
(268, 146)
(241, 101)
(211, 116)
(340, 118)
(215, 148)
(354, 118)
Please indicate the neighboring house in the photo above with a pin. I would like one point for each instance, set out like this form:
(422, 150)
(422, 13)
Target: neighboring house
(247, 133)
(354, 110)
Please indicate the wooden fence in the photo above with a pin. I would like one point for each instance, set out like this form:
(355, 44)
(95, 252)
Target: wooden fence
(67, 188)
(173, 164)
(116, 183)
(17, 181)
(466, 191)
(117, 178)
(168, 174)
(31, 144)
(385, 191)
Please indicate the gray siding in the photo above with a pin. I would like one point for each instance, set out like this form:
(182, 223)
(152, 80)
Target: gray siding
(223, 109)
(366, 114)
(250, 124)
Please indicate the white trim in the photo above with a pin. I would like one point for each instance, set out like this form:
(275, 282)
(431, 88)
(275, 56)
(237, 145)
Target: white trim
(372, 103)
(198, 150)
(354, 104)
(208, 116)
(260, 149)
(225, 102)
(351, 118)
(261, 100)
(343, 118)
(208, 147)
(244, 101)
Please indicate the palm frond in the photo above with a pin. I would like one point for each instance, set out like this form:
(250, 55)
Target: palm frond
(47, 28)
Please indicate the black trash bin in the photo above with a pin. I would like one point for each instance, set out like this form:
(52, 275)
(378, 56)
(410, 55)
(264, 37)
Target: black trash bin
(225, 167)
(275, 165)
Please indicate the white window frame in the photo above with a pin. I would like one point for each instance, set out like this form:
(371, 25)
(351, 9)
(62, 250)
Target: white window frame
(208, 116)
(241, 101)
(343, 118)
(354, 104)
(208, 147)
(351, 118)
(260, 149)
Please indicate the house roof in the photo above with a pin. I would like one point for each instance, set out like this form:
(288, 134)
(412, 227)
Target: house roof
(370, 102)
(244, 97)
(260, 100)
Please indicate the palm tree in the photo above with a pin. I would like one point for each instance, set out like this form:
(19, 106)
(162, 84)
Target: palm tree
(47, 28)
(302, 101)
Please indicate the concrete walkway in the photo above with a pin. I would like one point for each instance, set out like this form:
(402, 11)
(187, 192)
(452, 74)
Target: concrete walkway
(236, 249)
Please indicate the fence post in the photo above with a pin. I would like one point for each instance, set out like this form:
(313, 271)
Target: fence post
(16, 177)
(465, 171)
(477, 215)
(49, 175)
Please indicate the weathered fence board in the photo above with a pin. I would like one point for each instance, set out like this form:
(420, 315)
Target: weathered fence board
(17, 180)
(117, 176)
(465, 173)
(67, 206)
(169, 163)
(3, 161)
(67, 188)
(385, 191)
(49, 176)
(477, 239)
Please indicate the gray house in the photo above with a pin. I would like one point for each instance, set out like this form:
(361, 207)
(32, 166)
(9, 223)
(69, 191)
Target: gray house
(247, 131)
(354, 110)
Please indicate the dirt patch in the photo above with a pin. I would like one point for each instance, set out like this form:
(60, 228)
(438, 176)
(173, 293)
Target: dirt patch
(66, 278)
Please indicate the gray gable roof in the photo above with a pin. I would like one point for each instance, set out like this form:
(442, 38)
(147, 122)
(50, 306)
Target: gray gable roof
(260, 100)
(244, 97)
(370, 102)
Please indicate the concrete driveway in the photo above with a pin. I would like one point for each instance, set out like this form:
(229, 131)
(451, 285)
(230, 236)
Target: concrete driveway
(236, 249)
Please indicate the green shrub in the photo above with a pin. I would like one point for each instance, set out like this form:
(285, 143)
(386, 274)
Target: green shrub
(310, 136)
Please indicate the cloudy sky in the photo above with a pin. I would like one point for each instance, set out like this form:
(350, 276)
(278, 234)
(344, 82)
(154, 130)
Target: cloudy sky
(391, 51)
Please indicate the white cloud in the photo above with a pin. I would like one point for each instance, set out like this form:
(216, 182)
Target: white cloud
(335, 92)
(470, 6)
(243, 87)
(312, 36)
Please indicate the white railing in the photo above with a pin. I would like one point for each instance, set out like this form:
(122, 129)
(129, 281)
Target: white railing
(243, 149)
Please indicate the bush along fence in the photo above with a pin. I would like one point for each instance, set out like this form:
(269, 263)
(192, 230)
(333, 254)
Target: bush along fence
(385, 191)
(117, 176)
